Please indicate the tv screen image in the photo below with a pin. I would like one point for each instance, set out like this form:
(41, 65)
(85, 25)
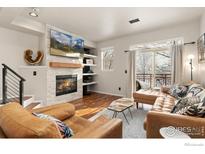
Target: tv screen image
(62, 44)
(77, 45)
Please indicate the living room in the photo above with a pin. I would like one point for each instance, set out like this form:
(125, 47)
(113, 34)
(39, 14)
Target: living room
(102, 72)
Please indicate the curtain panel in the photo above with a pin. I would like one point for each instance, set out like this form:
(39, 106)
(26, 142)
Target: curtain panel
(176, 48)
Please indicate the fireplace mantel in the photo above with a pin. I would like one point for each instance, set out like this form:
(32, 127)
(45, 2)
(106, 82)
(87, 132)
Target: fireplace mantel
(65, 65)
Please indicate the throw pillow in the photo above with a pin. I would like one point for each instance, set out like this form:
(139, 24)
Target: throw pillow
(172, 91)
(65, 131)
(138, 86)
(184, 103)
(195, 110)
(194, 91)
(198, 110)
(201, 95)
(201, 112)
(178, 91)
(144, 85)
(193, 85)
(203, 102)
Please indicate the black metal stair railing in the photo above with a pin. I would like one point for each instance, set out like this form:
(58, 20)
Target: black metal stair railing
(12, 86)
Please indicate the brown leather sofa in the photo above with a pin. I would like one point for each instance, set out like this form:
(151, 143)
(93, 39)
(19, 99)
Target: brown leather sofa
(161, 116)
(17, 122)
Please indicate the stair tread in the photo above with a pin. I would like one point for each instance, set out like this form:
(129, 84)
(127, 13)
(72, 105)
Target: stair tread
(17, 98)
(32, 105)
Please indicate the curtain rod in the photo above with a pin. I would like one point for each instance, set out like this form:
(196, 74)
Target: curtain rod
(184, 44)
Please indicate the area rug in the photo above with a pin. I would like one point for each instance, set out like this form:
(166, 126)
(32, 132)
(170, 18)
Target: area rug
(135, 127)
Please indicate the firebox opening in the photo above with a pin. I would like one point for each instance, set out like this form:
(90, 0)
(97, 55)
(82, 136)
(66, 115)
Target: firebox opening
(66, 84)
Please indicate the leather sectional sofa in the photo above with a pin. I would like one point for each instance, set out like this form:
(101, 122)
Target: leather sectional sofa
(17, 122)
(160, 115)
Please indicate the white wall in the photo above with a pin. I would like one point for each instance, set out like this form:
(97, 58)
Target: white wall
(202, 24)
(108, 82)
(35, 85)
(12, 46)
(202, 65)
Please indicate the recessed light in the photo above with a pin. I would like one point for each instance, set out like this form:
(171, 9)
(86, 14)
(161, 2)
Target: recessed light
(34, 12)
(134, 21)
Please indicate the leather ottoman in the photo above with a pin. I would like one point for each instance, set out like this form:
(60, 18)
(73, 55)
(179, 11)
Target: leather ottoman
(146, 96)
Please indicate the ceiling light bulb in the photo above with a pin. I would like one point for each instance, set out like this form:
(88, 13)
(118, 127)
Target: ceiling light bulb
(33, 14)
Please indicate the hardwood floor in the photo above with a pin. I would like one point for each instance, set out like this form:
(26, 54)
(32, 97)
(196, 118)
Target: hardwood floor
(91, 104)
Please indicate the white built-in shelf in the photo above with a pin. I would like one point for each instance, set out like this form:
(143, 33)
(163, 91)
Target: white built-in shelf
(87, 74)
(89, 64)
(89, 56)
(89, 83)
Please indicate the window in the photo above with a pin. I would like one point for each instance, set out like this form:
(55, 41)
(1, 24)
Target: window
(162, 68)
(107, 59)
(153, 67)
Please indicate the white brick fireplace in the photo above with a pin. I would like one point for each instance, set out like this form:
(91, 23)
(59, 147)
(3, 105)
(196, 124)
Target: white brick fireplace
(43, 84)
(51, 85)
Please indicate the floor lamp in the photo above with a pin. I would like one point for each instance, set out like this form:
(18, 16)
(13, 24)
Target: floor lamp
(191, 57)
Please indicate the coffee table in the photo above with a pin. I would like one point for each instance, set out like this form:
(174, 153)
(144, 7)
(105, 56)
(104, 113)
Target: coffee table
(120, 105)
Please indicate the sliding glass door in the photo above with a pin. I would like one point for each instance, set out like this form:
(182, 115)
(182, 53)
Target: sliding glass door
(153, 68)
(162, 68)
(144, 67)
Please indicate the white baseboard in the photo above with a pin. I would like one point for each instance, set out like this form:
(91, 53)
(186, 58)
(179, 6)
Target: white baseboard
(101, 92)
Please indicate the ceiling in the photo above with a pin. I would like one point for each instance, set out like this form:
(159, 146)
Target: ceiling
(99, 24)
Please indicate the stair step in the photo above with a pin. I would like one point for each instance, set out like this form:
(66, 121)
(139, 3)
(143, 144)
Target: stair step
(32, 105)
(14, 99)
(17, 98)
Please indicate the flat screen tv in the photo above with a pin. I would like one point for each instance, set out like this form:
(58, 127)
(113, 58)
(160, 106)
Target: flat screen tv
(62, 44)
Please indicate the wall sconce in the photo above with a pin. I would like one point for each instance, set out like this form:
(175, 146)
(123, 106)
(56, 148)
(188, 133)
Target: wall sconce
(191, 57)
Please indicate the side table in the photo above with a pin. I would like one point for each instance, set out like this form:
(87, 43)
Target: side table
(120, 105)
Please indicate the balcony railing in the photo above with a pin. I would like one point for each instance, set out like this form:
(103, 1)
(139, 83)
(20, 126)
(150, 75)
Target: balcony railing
(156, 80)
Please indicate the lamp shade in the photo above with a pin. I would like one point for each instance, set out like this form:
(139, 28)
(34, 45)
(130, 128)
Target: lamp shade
(190, 56)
